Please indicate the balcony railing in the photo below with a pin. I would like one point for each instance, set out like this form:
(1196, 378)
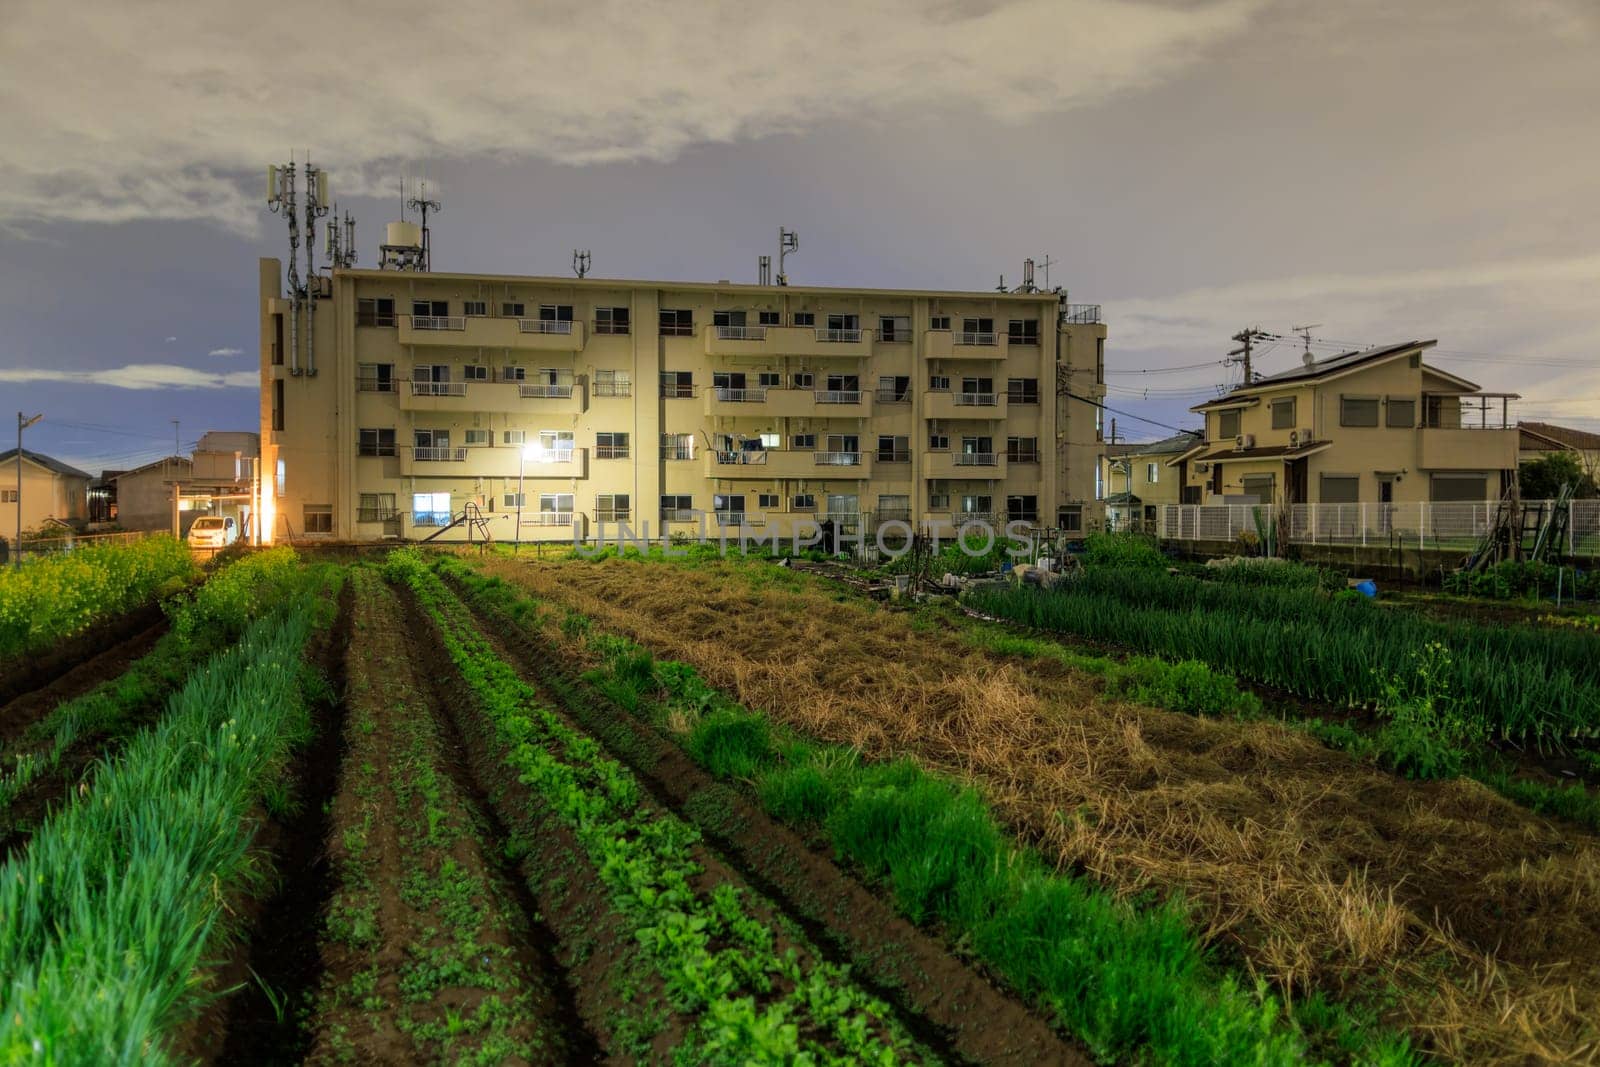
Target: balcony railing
(617, 328)
(975, 337)
(1017, 396)
(561, 454)
(563, 326)
(893, 515)
(839, 336)
(1081, 314)
(677, 392)
(438, 454)
(376, 514)
(741, 333)
(743, 457)
(976, 400)
(545, 390)
(677, 329)
(681, 514)
(894, 455)
(894, 396)
(549, 518)
(610, 451)
(731, 518)
(894, 336)
(837, 459)
(438, 388)
(741, 396)
(1022, 457)
(675, 452)
(374, 385)
(438, 322)
(838, 396)
(977, 459)
(612, 389)
(613, 515)
(1022, 338)
(373, 318)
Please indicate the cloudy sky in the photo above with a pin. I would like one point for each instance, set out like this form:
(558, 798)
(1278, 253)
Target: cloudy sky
(1388, 171)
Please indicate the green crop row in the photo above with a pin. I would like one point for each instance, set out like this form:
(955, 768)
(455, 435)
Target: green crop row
(58, 596)
(1134, 984)
(750, 1002)
(121, 896)
(1521, 683)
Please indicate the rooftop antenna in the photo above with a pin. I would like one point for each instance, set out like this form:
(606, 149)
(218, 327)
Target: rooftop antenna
(1002, 286)
(340, 247)
(1305, 335)
(788, 241)
(580, 262)
(763, 270)
(421, 203)
(1045, 263)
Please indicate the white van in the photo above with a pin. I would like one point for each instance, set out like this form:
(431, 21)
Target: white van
(213, 531)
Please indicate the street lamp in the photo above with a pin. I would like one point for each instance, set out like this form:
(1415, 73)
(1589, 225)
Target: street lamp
(22, 424)
(529, 451)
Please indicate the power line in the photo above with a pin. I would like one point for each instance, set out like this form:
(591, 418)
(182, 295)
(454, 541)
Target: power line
(1129, 415)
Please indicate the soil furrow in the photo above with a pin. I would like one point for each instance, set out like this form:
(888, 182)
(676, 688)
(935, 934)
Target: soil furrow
(23, 703)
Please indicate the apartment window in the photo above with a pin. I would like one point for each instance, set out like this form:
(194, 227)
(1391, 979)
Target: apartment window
(1152, 473)
(771, 440)
(555, 313)
(1358, 410)
(612, 507)
(843, 504)
(977, 504)
(513, 437)
(1022, 390)
(1283, 414)
(844, 322)
(475, 308)
(613, 383)
(475, 372)
(430, 509)
(1070, 518)
(556, 445)
(894, 506)
(375, 311)
(1022, 450)
(375, 377)
(803, 442)
(277, 340)
(805, 318)
(1400, 413)
(480, 438)
(677, 384)
(764, 501)
(431, 439)
(555, 508)
(893, 449)
(1022, 508)
(611, 320)
(375, 507)
(611, 446)
(803, 379)
(803, 502)
(894, 388)
(976, 331)
(277, 404)
(769, 379)
(677, 322)
(1341, 489)
(318, 519)
(513, 501)
(894, 327)
(938, 383)
(729, 508)
(1023, 331)
(1227, 425)
(677, 508)
(514, 309)
(768, 318)
(1100, 361)
(424, 309)
(939, 322)
(677, 446)
(513, 374)
(375, 442)
(938, 441)
(728, 318)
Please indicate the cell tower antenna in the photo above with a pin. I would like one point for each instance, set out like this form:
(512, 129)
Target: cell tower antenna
(788, 241)
(580, 262)
(421, 203)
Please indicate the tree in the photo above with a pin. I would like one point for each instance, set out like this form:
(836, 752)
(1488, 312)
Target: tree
(1542, 479)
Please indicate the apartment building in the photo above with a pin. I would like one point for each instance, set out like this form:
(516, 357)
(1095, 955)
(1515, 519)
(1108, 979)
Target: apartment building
(1135, 480)
(400, 399)
(1375, 426)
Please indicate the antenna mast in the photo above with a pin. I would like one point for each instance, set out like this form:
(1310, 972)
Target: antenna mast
(788, 241)
(281, 191)
(580, 262)
(1305, 335)
(421, 203)
(1045, 263)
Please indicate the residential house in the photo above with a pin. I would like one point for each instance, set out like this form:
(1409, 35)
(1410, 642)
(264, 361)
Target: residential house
(52, 491)
(1539, 439)
(1137, 481)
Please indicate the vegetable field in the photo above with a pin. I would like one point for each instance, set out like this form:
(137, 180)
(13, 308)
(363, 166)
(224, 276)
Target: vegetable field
(422, 808)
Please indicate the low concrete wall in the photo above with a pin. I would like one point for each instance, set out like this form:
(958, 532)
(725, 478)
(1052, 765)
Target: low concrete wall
(1369, 561)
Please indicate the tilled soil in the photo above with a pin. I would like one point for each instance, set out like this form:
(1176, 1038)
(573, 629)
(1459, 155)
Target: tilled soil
(1318, 871)
(31, 692)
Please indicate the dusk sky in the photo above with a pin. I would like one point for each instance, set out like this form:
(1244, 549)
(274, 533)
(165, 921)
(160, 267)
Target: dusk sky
(1390, 171)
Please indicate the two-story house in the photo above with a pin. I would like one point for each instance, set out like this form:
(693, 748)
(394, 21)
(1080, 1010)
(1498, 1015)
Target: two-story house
(1137, 481)
(1378, 426)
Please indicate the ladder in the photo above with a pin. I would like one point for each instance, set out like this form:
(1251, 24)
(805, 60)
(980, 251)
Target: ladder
(1553, 529)
(473, 518)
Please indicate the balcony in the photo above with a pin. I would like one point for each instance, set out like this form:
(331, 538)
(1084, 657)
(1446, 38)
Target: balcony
(788, 403)
(459, 397)
(1474, 432)
(1081, 314)
(556, 463)
(964, 465)
(771, 342)
(947, 405)
(530, 335)
(945, 344)
(497, 462)
(769, 464)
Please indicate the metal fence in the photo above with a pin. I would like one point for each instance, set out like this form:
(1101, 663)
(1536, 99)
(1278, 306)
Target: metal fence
(1426, 524)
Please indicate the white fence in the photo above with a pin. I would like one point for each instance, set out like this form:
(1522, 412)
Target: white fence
(1425, 524)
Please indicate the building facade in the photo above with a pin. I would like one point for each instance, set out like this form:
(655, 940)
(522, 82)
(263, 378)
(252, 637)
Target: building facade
(402, 400)
(170, 493)
(51, 491)
(1136, 480)
(1376, 426)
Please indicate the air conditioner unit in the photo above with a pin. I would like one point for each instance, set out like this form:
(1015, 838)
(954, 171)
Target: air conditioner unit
(1306, 437)
(1244, 441)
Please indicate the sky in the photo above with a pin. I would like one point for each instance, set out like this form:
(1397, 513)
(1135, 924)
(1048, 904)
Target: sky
(1385, 171)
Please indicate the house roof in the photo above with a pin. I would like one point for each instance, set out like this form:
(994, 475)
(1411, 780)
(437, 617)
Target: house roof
(1178, 442)
(39, 459)
(1264, 452)
(153, 464)
(1327, 368)
(1548, 437)
(1122, 498)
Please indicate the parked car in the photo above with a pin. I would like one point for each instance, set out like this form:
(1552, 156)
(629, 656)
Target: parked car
(213, 531)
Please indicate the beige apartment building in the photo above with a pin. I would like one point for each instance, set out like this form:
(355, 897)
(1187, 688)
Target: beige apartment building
(1376, 426)
(402, 399)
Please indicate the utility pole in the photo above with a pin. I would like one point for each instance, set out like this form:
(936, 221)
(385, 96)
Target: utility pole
(177, 450)
(1246, 339)
(22, 424)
